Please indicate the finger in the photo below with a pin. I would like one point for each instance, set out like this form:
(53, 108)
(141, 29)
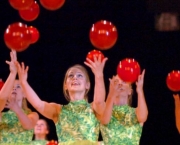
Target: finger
(14, 55)
(8, 62)
(27, 68)
(96, 57)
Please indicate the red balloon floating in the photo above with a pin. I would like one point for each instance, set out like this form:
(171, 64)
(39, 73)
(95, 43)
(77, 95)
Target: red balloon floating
(21, 4)
(91, 54)
(128, 70)
(103, 35)
(1, 83)
(17, 36)
(34, 34)
(173, 80)
(52, 4)
(30, 13)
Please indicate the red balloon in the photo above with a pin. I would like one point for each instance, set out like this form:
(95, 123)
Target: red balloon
(34, 34)
(1, 83)
(30, 13)
(17, 36)
(128, 70)
(173, 80)
(20, 4)
(52, 4)
(103, 35)
(91, 54)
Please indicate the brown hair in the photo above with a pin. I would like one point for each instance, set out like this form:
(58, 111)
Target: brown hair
(83, 69)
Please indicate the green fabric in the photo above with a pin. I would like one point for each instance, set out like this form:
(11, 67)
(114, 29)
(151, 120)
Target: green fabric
(11, 131)
(123, 128)
(77, 122)
(39, 142)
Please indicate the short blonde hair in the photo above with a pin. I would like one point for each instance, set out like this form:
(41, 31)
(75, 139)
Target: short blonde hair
(83, 69)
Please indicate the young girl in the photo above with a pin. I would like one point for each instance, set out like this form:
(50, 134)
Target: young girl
(177, 111)
(41, 130)
(16, 124)
(77, 122)
(122, 124)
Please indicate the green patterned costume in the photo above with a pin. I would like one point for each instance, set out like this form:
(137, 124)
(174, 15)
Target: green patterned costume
(123, 128)
(12, 132)
(77, 124)
(39, 142)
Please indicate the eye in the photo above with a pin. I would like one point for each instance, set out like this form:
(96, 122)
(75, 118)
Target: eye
(79, 76)
(70, 76)
(18, 86)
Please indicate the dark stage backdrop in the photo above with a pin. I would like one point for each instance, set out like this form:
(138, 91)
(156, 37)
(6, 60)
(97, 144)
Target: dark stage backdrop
(64, 41)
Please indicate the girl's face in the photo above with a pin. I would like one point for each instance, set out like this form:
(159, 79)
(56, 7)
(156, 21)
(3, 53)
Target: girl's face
(41, 128)
(125, 87)
(76, 81)
(17, 91)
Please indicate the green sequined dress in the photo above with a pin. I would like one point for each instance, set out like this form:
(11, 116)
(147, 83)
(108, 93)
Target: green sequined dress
(123, 128)
(39, 142)
(77, 124)
(12, 132)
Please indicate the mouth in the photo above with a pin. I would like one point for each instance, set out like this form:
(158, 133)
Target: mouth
(75, 84)
(13, 93)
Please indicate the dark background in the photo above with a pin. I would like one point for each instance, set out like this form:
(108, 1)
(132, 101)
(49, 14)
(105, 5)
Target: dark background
(64, 41)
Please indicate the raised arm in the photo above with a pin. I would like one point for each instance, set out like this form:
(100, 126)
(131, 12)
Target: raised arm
(27, 121)
(49, 110)
(177, 111)
(99, 90)
(113, 92)
(141, 110)
(8, 85)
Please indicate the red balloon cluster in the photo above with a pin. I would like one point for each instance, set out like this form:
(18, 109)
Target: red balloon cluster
(91, 54)
(1, 83)
(128, 70)
(30, 13)
(103, 35)
(21, 4)
(173, 80)
(34, 34)
(52, 143)
(52, 4)
(19, 36)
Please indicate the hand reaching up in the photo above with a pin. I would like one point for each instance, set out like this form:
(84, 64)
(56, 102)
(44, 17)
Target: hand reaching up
(12, 63)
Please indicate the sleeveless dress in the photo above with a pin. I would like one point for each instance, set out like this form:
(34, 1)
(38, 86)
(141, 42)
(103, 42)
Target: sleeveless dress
(11, 130)
(77, 124)
(123, 128)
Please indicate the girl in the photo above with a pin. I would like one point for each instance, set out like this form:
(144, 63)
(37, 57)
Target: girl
(16, 124)
(77, 122)
(122, 124)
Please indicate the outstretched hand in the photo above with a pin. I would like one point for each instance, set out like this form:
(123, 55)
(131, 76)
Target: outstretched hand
(140, 82)
(97, 65)
(22, 72)
(12, 63)
(114, 87)
(12, 104)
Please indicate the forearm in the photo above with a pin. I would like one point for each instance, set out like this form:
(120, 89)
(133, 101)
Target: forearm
(25, 121)
(32, 97)
(99, 90)
(6, 90)
(177, 116)
(141, 110)
(108, 110)
(7, 87)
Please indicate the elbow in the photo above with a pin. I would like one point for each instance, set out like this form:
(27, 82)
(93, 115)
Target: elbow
(143, 118)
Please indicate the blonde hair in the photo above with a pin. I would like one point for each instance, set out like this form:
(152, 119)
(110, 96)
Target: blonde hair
(83, 69)
(25, 106)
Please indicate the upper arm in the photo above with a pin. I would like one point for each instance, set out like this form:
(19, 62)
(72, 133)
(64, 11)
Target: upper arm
(140, 122)
(51, 111)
